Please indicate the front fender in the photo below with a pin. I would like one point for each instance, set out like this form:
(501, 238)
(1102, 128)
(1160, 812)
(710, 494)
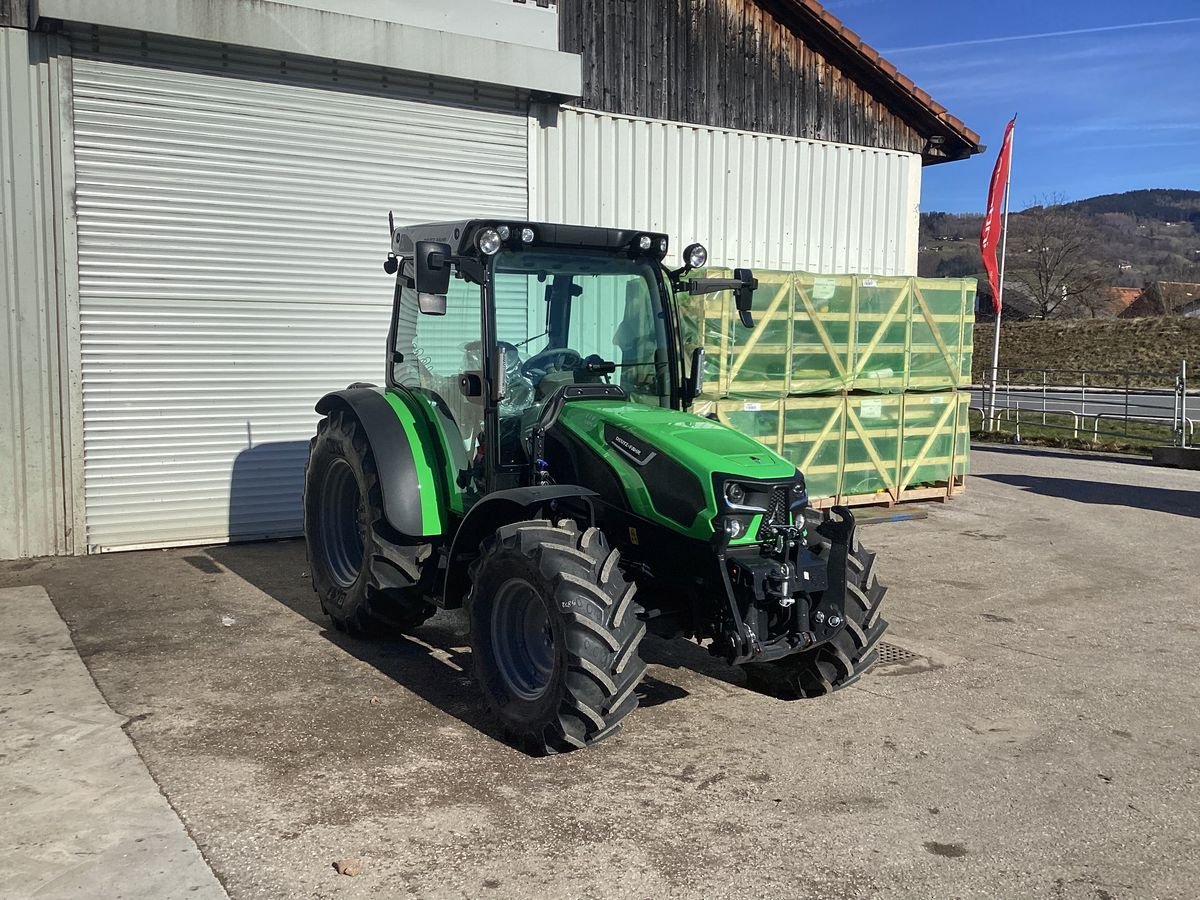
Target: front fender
(493, 511)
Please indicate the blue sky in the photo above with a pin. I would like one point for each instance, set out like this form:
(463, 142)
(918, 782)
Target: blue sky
(1100, 112)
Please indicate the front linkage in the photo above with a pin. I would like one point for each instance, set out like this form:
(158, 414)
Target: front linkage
(787, 595)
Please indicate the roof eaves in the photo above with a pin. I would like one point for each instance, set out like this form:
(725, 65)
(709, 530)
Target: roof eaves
(844, 36)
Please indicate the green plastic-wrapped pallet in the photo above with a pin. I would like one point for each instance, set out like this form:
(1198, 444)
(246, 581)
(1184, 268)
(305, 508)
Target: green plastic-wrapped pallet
(819, 334)
(862, 448)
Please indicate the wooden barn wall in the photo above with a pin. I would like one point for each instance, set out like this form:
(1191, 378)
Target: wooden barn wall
(725, 63)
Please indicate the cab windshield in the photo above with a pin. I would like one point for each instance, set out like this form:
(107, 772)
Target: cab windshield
(578, 318)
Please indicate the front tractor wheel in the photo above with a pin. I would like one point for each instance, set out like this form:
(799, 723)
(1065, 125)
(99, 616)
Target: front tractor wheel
(841, 661)
(367, 578)
(554, 634)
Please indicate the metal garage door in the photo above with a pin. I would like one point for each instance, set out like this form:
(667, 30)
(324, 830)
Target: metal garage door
(232, 214)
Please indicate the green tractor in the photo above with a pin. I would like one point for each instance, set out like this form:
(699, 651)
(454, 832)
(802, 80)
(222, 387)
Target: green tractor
(532, 458)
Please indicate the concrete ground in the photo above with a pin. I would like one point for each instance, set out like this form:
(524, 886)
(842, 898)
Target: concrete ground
(1044, 742)
(79, 814)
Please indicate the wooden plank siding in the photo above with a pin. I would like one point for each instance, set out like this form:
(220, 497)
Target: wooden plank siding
(727, 63)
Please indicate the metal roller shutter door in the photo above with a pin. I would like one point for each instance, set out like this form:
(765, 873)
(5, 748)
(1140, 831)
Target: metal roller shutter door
(232, 226)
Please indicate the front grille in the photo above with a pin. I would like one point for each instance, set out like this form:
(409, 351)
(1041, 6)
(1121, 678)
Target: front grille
(777, 511)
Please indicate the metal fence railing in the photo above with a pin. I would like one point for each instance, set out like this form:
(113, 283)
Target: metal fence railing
(1153, 408)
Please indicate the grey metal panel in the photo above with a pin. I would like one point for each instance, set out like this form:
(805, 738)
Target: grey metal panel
(36, 515)
(752, 199)
(356, 35)
(232, 227)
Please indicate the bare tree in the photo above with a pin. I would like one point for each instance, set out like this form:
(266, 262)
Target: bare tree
(1053, 260)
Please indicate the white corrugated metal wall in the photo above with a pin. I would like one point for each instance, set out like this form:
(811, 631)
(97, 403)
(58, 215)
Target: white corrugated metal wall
(758, 200)
(37, 486)
(232, 225)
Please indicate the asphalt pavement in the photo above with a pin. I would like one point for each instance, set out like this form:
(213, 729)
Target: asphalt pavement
(1033, 731)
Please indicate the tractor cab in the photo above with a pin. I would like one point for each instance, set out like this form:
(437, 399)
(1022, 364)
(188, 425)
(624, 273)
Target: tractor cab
(493, 319)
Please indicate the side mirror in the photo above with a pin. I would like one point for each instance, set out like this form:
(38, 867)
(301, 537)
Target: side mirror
(744, 296)
(432, 276)
(696, 378)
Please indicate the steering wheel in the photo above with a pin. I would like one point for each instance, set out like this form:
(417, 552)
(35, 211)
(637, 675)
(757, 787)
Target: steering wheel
(553, 357)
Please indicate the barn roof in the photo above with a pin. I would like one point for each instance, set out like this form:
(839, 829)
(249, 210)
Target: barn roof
(957, 140)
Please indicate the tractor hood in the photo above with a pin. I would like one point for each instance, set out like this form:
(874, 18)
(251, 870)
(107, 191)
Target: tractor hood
(665, 465)
(700, 445)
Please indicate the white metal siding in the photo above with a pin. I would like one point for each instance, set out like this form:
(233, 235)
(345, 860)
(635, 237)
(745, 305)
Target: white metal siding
(232, 227)
(752, 199)
(36, 475)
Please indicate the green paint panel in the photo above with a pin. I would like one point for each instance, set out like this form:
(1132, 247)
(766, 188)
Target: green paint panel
(449, 492)
(424, 441)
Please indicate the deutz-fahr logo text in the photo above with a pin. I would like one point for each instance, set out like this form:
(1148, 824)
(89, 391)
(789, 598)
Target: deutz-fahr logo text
(636, 454)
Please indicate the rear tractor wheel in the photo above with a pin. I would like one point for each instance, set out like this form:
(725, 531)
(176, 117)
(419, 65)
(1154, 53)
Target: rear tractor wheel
(367, 578)
(841, 661)
(554, 635)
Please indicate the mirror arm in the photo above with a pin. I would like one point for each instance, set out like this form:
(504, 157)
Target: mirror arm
(471, 269)
(743, 285)
(468, 267)
(713, 285)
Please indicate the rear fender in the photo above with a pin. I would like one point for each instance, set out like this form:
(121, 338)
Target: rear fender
(404, 456)
(503, 508)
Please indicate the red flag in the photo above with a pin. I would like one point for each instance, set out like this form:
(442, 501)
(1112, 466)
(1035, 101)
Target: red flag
(989, 237)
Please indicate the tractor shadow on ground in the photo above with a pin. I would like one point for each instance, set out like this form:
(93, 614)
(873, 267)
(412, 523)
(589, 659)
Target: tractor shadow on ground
(685, 654)
(434, 662)
(1166, 500)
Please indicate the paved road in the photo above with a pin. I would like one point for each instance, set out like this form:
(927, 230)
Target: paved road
(1045, 741)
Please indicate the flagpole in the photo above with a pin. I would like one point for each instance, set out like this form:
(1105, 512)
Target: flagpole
(992, 422)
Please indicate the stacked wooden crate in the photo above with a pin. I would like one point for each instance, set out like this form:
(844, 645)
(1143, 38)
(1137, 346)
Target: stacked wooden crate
(857, 380)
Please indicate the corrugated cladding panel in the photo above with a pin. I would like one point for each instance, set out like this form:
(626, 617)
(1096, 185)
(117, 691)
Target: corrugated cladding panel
(752, 199)
(36, 512)
(232, 225)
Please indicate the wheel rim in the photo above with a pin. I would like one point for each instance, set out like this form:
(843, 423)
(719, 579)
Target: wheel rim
(522, 639)
(341, 537)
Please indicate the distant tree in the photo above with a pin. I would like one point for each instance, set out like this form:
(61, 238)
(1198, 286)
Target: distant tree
(960, 265)
(1053, 258)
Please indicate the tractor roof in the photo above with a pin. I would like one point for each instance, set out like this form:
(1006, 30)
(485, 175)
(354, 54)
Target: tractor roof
(461, 235)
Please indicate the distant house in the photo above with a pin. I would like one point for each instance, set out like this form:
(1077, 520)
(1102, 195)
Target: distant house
(1019, 306)
(1165, 298)
(1121, 299)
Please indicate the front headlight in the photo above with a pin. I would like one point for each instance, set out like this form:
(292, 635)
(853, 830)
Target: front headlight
(488, 241)
(734, 528)
(735, 493)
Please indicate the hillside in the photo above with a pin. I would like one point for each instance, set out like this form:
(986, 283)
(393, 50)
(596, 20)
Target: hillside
(1137, 345)
(1125, 240)
(1160, 205)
